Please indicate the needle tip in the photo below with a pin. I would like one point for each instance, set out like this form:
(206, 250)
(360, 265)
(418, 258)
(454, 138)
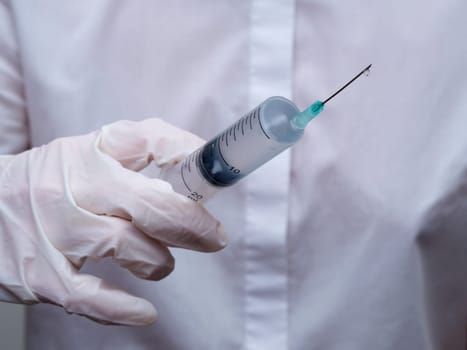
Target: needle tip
(366, 70)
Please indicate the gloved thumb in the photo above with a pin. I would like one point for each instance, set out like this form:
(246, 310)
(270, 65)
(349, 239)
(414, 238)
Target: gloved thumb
(95, 299)
(136, 144)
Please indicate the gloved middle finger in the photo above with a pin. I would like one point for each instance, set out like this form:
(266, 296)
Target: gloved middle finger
(100, 236)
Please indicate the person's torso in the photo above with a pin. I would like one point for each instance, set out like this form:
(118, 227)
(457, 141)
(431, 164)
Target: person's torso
(354, 239)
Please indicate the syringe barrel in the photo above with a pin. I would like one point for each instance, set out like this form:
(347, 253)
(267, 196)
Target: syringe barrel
(243, 147)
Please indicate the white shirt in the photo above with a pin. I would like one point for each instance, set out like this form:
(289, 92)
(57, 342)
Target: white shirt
(354, 239)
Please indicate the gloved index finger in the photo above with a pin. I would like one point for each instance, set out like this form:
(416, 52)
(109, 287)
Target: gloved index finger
(178, 221)
(154, 208)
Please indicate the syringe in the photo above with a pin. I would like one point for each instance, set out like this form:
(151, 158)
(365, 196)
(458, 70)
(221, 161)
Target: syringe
(270, 128)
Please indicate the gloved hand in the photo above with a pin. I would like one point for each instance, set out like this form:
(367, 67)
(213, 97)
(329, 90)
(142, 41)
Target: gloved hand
(80, 198)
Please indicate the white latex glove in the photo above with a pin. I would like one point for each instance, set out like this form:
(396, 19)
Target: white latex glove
(80, 197)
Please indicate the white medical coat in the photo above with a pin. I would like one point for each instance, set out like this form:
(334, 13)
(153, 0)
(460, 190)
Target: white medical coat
(354, 239)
